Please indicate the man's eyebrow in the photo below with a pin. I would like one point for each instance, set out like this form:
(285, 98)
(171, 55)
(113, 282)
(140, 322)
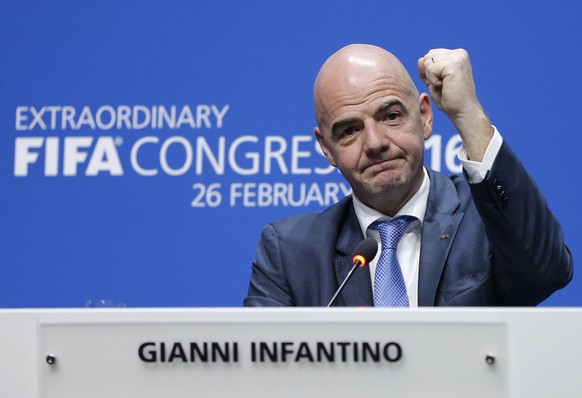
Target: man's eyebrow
(337, 126)
(340, 124)
(388, 104)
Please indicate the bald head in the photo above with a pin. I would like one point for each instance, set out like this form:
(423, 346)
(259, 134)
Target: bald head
(353, 67)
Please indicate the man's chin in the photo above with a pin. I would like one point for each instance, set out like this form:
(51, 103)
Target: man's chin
(384, 186)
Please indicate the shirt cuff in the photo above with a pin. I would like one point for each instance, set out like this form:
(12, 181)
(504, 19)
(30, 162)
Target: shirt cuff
(476, 171)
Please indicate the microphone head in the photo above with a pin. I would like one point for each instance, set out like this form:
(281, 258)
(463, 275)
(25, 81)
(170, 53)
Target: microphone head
(365, 251)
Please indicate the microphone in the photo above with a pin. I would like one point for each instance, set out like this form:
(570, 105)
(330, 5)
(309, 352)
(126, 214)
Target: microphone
(364, 253)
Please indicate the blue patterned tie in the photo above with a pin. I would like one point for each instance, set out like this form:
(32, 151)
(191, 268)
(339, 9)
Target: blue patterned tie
(389, 288)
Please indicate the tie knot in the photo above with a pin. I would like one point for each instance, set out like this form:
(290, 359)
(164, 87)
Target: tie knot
(391, 231)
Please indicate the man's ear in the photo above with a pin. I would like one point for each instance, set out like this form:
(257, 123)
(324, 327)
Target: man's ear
(426, 115)
(323, 146)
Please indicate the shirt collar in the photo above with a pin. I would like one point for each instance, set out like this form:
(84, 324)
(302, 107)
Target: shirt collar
(415, 207)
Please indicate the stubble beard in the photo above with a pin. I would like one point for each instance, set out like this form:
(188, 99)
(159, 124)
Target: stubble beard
(389, 188)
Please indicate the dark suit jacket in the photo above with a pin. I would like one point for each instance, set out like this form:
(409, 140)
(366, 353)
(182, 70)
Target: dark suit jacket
(487, 244)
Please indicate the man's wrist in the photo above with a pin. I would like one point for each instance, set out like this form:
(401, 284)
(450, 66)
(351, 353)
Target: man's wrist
(476, 131)
(476, 171)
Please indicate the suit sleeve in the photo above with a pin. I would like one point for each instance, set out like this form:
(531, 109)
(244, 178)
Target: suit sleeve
(531, 258)
(268, 285)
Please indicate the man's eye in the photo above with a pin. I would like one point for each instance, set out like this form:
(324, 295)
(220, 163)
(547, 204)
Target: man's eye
(347, 132)
(392, 115)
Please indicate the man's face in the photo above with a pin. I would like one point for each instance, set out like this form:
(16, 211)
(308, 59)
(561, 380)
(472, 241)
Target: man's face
(372, 127)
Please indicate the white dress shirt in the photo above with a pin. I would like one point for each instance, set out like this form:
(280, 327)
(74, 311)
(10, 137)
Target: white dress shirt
(408, 251)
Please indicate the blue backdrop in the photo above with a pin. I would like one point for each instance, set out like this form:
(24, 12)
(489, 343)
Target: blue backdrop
(144, 144)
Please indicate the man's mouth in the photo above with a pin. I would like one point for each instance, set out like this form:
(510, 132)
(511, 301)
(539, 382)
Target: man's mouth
(382, 165)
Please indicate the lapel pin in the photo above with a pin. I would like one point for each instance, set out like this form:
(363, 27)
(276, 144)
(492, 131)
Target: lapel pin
(444, 236)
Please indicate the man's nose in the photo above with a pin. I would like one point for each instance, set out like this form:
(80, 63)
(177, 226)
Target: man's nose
(376, 139)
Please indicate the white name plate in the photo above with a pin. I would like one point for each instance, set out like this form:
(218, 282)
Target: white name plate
(264, 356)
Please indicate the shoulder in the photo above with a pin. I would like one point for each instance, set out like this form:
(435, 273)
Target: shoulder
(314, 223)
(448, 192)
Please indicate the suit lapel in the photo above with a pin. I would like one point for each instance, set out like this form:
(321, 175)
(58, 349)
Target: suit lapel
(438, 232)
(358, 290)
(439, 228)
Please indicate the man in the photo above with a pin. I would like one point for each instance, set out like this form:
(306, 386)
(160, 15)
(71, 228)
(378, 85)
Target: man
(485, 238)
